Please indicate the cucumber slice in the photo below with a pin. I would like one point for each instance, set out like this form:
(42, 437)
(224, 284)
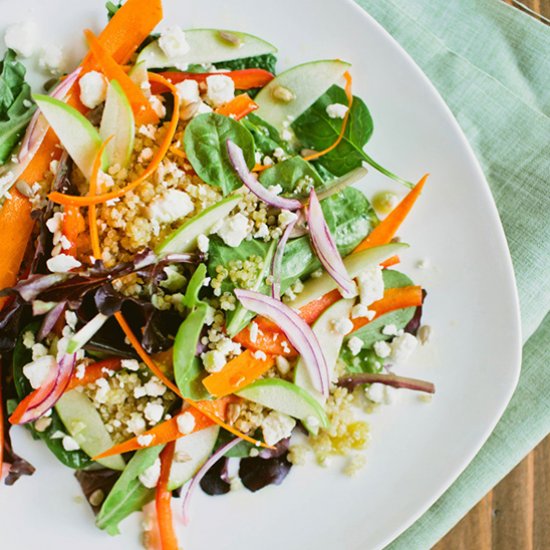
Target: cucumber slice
(198, 447)
(85, 426)
(332, 342)
(118, 121)
(304, 84)
(75, 132)
(184, 239)
(207, 46)
(286, 398)
(355, 264)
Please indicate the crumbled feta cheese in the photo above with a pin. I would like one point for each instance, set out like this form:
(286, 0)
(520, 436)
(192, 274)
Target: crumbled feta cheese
(277, 426)
(136, 424)
(55, 223)
(285, 346)
(371, 285)
(253, 331)
(173, 43)
(234, 230)
(202, 109)
(375, 392)
(203, 242)
(286, 217)
(360, 310)
(154, 388)
(62, 263)
(186, 423)
(158, 106)
(145, 155)
(139, 392)
(171, 206)
(69, 444)
(342, 326)
(260, 355)
(37, 371)
(150, 477)
(402, 347)
(28, 339)
(279, 153)
(21, 37)
(145, 440)
(337, 110)
(80, 371)
(275, 189)
(220, 89)
(130, 364)
(38, 351)
(102, 391)
(188, 90)
(263, 231)
(389, 330)
(213, 361)
(153, 412)
(51, 58)
(355, 345)
(267, 161)
(93, 89)
(71, 318)
(382, 349)
(283, 366)
(287, 135)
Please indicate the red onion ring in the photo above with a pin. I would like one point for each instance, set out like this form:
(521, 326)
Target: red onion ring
(277, 262)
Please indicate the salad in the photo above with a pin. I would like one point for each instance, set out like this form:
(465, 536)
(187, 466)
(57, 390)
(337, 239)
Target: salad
(188, 277)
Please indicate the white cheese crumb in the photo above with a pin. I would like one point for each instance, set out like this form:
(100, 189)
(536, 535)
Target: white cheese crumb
(220, 89)
(188, 90)
(402, 347)
(102, 391)
(28, 339)
(51, 58)
(145, 155)
(355, 345)
(277, 426)
(136, 424)
(171, 206)
(173, 42)
(342, 326)
(21, 37)
(130, 364)
(286, 217)
(263, 231)
(150, 477)
(253, 331)
(203, 242)
(260, 355)
(69, 444)
(234, 230)
(153, 412)
(360, 310)
(37, 371)
(154, 388)
(337, 110)
(389, 330)
(80, 371)
(371, 285)
(38, 351)
(382, 349)
(62, 263)
(202, 109)
(213, 361)
(145, 440)
(93, 89)
(186, 423)
(71, 318)
(158, 106)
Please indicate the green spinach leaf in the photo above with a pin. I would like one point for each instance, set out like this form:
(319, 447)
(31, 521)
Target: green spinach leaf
(205, 144)
(291, 174)
(266, 62)
(128, 495)
(266, 137)
(365, 361)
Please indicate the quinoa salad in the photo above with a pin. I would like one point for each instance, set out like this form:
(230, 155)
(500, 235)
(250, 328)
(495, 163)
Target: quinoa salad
(193, 294)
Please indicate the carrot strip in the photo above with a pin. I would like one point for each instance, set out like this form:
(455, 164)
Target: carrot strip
(151, 534)
(244, 79)
(310, 312)
(163, 497)
(1, 426)
(73, 224)
(349, 95)
(384, 232)
(237, 374)
(60, 198)
(394, 298)
(93, 373)
(393, 260)
(162, 433)
(270, 341)
(143, 111)
(260, 167)
(238, 107)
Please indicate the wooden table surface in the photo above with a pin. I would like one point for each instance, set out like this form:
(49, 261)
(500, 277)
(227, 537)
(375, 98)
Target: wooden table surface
(515, 515)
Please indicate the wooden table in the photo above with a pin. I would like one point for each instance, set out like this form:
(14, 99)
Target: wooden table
(515, 515)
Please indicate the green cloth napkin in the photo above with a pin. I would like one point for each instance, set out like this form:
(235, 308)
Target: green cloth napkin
(491, 64)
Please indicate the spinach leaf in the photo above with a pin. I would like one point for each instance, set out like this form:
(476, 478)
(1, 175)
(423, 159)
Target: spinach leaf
(365, 361)
(205, 144)
(21, 356)
(128, 494)
(112, 8)
(241, 450)
(187, 369)
(316, 130)
(291, 174)
(16, 107)
(266, 137)
(266, 62)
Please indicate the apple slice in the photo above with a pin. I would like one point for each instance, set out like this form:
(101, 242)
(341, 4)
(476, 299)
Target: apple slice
(292, 92)
(86, 427)
(138, 75)
(184, 239)
(207, 46)
(197, 447)
(355, 264)
(332, 342)
(75, 132)
(118, 121)
(287, 398)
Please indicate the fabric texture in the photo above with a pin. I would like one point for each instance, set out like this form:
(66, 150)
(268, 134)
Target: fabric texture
(491, 64)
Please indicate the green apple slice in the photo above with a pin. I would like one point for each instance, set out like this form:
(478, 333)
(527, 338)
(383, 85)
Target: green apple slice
(190, 454)
(287, 398)
(331, 343)
(86, 427)
(75, 132)
(292, 92)
(184, 239)
(118, 121)
(138, 75)
(355, 264)
(207, 46)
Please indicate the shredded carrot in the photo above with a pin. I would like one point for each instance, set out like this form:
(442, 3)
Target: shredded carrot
(394, 298)
(60, 198)
(384, 232)
(163, 498)
(177, 152)
(143, 111)
(269, 340)
(1, 426)
(94, 372)
(238, 373)
(349, 95)
(310, 312)
(260, 167)
(238, 107)
(73, 224)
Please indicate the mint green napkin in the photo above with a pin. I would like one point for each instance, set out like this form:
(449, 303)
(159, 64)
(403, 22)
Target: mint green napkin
(491, 64)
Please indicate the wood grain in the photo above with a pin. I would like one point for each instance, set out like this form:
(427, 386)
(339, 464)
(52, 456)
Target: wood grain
(515, 515)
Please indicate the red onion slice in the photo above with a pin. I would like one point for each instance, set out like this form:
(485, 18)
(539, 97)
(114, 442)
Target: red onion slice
(296, 330)
(201, 473)
(325, 247)
(277, 262)
(236, 157)
(49, 393)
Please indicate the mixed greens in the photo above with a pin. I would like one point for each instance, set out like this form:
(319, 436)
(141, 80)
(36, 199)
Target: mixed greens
(189, 276)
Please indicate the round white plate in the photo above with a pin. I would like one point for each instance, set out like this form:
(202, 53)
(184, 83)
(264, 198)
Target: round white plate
(417, 449)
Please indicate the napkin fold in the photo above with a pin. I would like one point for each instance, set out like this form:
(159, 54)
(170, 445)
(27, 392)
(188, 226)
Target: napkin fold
(491, 64)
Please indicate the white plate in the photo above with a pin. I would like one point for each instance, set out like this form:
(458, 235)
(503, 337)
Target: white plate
(417, 449)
